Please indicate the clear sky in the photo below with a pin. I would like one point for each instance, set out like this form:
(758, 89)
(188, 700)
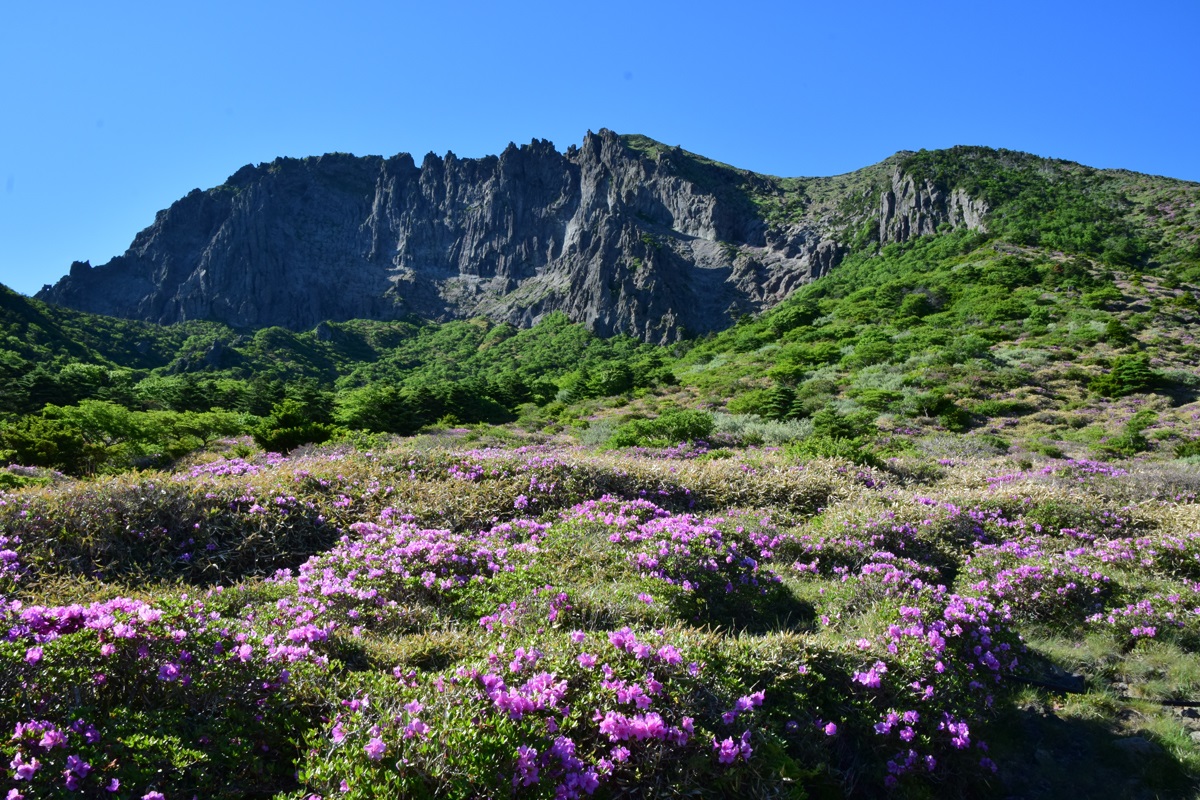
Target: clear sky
(111, 111)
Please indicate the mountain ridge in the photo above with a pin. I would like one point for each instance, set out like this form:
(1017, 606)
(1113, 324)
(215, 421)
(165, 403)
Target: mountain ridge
(622, 233)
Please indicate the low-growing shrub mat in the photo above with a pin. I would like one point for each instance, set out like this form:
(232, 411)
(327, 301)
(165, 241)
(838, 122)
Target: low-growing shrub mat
(559, 622)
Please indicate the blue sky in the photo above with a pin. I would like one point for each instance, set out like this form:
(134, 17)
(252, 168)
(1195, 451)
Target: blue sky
(110, 112)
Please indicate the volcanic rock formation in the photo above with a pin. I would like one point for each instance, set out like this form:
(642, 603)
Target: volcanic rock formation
(621, 233)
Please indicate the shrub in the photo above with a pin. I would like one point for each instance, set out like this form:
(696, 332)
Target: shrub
(991, 440)
(955, 419)
(1002, 408)
(753, 430)
(670, 428)
(878, 399)
(916, 305)
(751, 402)
(1117, 334)
(289, 426)
(1188, 449)
(1105, 298)
(1131, 441)
(52, 443)
(857, 450)
(837, 435)
(1129, 375)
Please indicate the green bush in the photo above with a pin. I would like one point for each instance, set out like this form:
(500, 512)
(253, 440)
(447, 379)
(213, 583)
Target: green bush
(878, 399)
(857, 450)
(916, 305)
(955, 419)
(54, 443)
(837, 435)
(1005, 311)
(830, 423)
(778, 402)
(1104, 298)
(991, 440)
(1131, 441)
(751, 402)
(289, 426)
(1117, 334)
(670, 428)
(873, 348)
(1129, 375)
(1002, 408)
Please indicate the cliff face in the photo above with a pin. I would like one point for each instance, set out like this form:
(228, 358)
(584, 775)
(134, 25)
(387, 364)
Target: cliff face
(650, 242)
(908, 208)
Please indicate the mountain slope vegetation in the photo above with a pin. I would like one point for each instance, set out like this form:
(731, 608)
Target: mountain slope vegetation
(926, 526)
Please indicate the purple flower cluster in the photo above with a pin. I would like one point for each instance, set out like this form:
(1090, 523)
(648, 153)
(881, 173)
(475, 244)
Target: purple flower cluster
(375, 575)
(11, 570)
(132, 649)
(729, 750)
(690, 552)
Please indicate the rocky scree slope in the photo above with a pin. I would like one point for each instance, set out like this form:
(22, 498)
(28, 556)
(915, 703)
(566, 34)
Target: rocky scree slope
(622, 233)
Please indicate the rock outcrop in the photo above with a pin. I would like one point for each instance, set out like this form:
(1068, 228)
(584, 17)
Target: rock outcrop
(908, 208)
(652, 242)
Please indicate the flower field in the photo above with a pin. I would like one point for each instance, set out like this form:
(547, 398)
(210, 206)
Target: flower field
(428, 620)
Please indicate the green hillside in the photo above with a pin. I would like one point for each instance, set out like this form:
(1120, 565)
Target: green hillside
(927, 528)
(1047, 334)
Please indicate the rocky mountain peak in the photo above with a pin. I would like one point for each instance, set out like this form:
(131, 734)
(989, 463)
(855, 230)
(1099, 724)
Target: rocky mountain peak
(622, 233)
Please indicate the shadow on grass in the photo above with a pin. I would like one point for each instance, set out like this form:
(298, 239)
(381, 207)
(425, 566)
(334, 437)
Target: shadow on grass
(774, 608)
(1043, 754)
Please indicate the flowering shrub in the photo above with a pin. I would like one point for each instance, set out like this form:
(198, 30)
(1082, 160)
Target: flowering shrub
(378, 576)
(555, 623)
(105, 697)
(562, 716)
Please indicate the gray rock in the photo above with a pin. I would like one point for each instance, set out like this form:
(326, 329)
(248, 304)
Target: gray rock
(1137, 746)
(907, 210)
(618, 240)
(215, 355)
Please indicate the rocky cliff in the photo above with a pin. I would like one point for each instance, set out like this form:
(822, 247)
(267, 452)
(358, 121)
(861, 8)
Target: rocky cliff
(621, 233)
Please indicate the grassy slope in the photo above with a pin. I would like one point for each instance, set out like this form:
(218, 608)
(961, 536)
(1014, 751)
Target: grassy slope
(839, 555)
(1013, 335)
(969, 364)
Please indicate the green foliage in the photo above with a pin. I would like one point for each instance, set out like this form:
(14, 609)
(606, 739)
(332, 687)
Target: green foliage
(1129, 375)
(290, 425)
(671, 427)
(992, 440)
(879, 399)
(376, 407)
(872, 348)
(47, 442)
(777, 403)
(955, 419)
(916, 305)
(837, 435)
(790, 316)
(794, 360)
(1105, 298)
(751, 402)
(1053, 204)
(1117, 334)
(829, 423)
(856, 450)
(99, 436)
(1131, 441)
(1002, 408)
